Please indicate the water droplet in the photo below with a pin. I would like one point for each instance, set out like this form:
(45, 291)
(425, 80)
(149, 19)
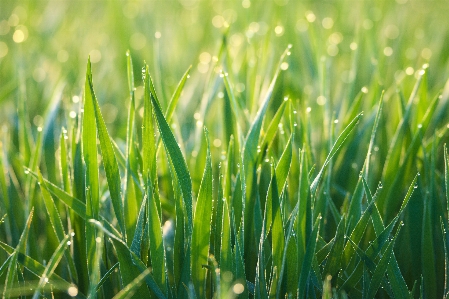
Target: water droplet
(336, 121)
(72, 234)
(69, 243)
(290, 46)
(295, 124)
(360, 174)
(416, 186)
(294, 112)
(419, 126)
(27, 171)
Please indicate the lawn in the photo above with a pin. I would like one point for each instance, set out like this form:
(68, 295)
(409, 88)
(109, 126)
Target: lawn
(224, 149)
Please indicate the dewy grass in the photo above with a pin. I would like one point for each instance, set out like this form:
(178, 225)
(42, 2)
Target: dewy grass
(268, 170)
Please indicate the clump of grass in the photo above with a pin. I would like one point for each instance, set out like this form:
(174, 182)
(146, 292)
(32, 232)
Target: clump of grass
(271, 190)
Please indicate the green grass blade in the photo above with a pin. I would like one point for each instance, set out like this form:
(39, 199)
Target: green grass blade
(51, 266)
(11, 276)
(178, 161)
(379, 272)
(281, 173)
(335, 148)
(176, 95)
(35, 267)
(130, 265)
(110, 164)
(306, 268)
(226, 260)
(56, 223)
(334, 258)
(89, 142)
(202, 226)
(157, 252)
(106, 276)
(71, 202)
(132, 287)
(63, 162)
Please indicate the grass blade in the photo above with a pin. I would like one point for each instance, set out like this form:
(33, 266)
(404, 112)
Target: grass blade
(202, 226)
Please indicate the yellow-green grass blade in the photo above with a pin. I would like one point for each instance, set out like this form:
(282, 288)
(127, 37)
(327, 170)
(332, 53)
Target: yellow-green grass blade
(202, 226)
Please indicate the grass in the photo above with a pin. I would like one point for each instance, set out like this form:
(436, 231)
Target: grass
(301, 155)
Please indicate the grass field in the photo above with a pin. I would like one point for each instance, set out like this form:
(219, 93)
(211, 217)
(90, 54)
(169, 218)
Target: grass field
(223, 149)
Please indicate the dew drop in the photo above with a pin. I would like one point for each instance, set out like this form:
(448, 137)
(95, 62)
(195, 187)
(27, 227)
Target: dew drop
(27, 171)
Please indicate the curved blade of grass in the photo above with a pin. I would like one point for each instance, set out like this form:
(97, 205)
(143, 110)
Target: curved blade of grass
(285, 254)
(51, 266)
(138, 234)
(202, 226)
(278, 234)
(176, 95)
(335, 148)
(129, 290)
(11, 275)
(226, 260)
(157, 252)
(273, 127)
(308, 258)
(334, 258)
(130, 265)
(304, 218)
(178, 161)
(110, 165)
(63, 161)
(281, 173)
(56, 223)
(106, 276)
(89, 142)
(35, 267)
(71, 202)
(380, 271)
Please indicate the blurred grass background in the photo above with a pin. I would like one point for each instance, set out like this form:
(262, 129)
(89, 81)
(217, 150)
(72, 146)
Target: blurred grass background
(44, 46)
